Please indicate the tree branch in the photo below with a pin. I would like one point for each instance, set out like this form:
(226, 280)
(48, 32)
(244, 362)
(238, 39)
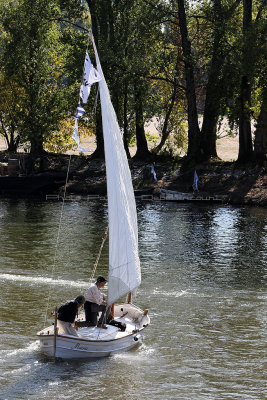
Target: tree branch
(159, 78)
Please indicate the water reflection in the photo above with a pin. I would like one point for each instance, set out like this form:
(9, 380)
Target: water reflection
(203, 279)
(223, 243)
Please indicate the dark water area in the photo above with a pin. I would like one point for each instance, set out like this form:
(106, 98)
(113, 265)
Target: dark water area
(204, 275)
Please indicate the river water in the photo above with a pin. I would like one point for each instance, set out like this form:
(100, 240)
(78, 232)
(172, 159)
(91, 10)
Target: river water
(203, 280)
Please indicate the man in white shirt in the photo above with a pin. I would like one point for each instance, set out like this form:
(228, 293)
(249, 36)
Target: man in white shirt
(95, 302)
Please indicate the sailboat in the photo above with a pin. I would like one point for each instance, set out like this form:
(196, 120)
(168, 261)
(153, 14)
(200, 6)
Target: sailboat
(124, 275)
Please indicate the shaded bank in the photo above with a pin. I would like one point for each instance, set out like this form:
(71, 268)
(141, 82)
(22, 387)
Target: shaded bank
(234, 183)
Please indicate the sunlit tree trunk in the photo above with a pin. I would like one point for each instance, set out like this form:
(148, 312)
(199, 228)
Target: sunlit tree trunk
(245, 138)
(165, 132)
(260, 143)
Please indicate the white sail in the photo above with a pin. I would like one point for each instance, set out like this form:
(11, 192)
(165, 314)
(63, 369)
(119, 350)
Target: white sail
(124, 264)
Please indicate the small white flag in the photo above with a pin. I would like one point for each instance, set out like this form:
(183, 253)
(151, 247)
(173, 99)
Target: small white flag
(153, 172)
(90, 76)
(75, 135)
(195, 184)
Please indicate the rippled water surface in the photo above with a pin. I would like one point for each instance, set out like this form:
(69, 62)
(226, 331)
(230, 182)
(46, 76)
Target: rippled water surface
(204, 282)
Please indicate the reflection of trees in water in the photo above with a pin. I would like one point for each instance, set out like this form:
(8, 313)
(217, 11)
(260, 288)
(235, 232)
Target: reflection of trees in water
(81, 235)
(22, 232)
(217, 244)
(251, 250)
(203, 244)
(231, 243)
(31, 239)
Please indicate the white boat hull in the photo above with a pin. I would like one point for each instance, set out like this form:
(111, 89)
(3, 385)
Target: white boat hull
(70, 347)
(94, 342)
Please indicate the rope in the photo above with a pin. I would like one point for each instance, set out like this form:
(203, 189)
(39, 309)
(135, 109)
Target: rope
(95, 266)
(99, 254)
(96, 100)
(57, 241)
(62, 208)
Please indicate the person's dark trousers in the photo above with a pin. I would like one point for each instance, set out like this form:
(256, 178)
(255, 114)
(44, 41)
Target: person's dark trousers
(91, 312)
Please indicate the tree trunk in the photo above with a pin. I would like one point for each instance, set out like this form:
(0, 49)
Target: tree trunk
(13, 141)
(165, 132)
(92, 8)
(12, 146)
(125, 121)
(245, 137)
(211, 112)
(5, 133)
(36, 154)
(212, 103)
(260, 143)
(37, 148)
(213, 88)
(142, 151)
(99, 152)
(193, 127)
(9, 135)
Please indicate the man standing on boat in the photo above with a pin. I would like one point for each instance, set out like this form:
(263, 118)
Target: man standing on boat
(95, 302)
(67, 314)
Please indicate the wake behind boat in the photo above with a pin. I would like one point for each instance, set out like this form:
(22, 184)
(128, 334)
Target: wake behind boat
(124, 264)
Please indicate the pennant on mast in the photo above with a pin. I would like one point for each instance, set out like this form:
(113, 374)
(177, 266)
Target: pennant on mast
(75, 135)
(90, 76)
(79, 112)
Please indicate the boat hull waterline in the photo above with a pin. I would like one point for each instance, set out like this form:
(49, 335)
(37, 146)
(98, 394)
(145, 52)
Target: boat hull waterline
(94, 342)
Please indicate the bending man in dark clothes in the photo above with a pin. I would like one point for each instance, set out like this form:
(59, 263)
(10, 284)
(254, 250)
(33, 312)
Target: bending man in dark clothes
(67, 314)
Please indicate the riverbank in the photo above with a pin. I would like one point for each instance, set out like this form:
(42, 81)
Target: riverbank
(239, 185)
(233, 184)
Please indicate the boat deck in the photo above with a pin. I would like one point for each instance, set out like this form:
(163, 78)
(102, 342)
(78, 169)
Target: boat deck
(128, 314)
(112, 332)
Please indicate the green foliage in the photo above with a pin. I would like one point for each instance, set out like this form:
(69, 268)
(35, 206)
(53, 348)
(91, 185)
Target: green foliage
(43, 44)
(61, 140)
(128, 43)
(35, 60)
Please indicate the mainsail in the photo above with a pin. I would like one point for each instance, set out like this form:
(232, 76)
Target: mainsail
(124, 264)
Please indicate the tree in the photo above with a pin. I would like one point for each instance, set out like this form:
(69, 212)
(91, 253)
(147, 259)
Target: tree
(167, 90)
(260, 30)
(124, 42)
(94, 11)
(193, 127)
(34, 58)
(142, 151)
(245, 137)
(246, 83)
(217, 74)
(8, 127)
(260, 143)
